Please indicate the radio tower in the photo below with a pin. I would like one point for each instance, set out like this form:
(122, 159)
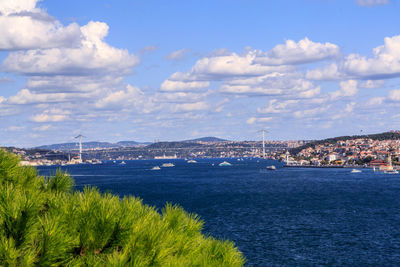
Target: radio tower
(80, 147)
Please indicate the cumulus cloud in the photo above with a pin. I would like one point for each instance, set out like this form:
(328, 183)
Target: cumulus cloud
(177, 55)
(171, 85)
(329, 72)
(14, 128)
(93, 56)
(310, 112)
(385, 62)
(186, 107)
(253, 120)
(27, 97)
(372, 84)
(23, 26)
(276, 107)
(121, 97)
(304, 51)
(51, 115)
(375, 101)
(394, 95)
(370, 3)
(282, 84)
(347, 88)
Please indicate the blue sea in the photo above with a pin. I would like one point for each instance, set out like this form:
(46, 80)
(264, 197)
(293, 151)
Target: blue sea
(291, 216)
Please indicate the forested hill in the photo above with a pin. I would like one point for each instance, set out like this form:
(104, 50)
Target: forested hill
(379, 136)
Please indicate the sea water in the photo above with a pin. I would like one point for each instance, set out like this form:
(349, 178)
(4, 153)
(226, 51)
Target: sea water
(291, 216)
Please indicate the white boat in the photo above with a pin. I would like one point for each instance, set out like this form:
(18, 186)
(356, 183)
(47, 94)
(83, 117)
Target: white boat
(156, 168)
(167, 165)
(191, 161)
(355, 171)
(224, 163)
(122, 163)
(271, 168)
(391, 172)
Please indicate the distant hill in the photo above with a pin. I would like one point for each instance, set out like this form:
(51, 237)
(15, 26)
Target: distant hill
(121, 144)
(379, 136)
(132, 143)
(172, 145)
(91, 145)
(207, 139)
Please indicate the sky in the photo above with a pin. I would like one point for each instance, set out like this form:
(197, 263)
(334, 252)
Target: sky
(176, 70)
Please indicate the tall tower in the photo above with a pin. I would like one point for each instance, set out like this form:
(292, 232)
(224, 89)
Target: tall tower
(263, 142)
(80, 147)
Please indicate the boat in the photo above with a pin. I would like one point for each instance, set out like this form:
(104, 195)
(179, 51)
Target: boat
(191, 161)
(167, 165)
(123, 163)
(156, 168)
(271, 168)
(224, 163)
(355, 171)
(391, 172)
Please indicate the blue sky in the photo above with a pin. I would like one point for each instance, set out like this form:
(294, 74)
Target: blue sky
(173, 70)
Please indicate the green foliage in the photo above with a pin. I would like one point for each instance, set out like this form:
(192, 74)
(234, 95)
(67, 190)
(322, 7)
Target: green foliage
(43, 222)
(379, 137)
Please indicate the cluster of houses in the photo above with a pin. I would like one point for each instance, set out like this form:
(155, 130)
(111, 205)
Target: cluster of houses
(363, 151)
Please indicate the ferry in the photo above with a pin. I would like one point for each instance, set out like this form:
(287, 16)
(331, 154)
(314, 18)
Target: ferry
(355, 171)
(225, 163)
(271, 168)
(191, 161)
(155, 168)
(168, 165)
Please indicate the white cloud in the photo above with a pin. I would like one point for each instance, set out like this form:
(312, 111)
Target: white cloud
(394, 95)
(310, 112)
(350, 107)
(186, 107)
(52, 115)
(330, 72)
(370, 3)
(27, 97)
(93, 56)
(9, 7)
(15, 128)
(347, 88)
(375, 101)
(276, 107)
(48, 118)
(23, 26)
(170, 85)
(304, 51)
(120, 98)
(385, 62)
(177, 55)
(42, 128)
(372, 84)
(251, 120)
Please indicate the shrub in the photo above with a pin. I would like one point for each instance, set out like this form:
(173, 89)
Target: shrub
(43, 222)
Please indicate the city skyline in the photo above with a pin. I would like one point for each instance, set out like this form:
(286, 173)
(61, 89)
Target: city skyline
(146, 70)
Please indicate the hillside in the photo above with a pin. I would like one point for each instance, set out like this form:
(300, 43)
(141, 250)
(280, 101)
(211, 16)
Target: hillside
(45, 223)
(91, 145)
(379, 136)
(207, 139)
